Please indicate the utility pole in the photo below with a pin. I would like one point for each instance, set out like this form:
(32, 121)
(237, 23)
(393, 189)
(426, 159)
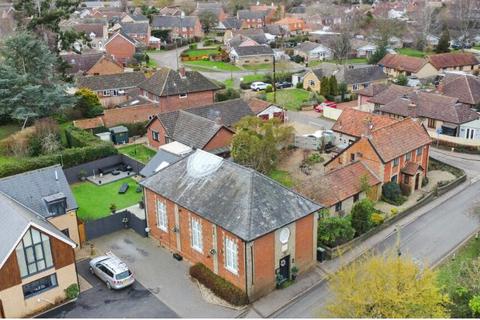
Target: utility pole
(274, 82)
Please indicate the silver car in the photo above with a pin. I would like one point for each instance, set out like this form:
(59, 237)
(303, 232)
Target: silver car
(113, 271)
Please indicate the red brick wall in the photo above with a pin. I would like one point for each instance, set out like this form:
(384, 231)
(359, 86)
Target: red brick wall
(263, 264)
(113, 117)
(195, 99)
(222, 138)
(120, 49)
(304, 243)
(156, 126)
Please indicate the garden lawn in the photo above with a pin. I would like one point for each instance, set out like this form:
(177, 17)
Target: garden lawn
(211, 65)
(411, 52)
(200, 52)
(282, 177)
(8, 129)
(94, 201)
(260, 66)
(291, 99)
(138, 152)
(246, 79)
(349, 61)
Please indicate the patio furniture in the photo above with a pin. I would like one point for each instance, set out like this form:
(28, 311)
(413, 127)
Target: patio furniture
(123, 188)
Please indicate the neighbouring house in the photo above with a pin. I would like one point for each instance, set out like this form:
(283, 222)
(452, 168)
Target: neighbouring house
(139, 31)
(365, 94)
(397, 64)
(366, 51)
(242, 225)
(247, 55)
(465, 87)
(94, 63)
(438, 113)
(215, 8)
(355, 78)
(134, 18)
(244, 37)
(37, 260)
(111, 89)
(121, 47)
(173, 90)
(95, 29)
(353, 124)
(252, 19)
(451, 61)
(312, 51)
(165, 156)
(227, 112)
(266, 110)
(171, 11)
(229, 23)
(382, 96)
(178, 26)
(292, 25)
(47, 193)
(339, 189)
(397, 152)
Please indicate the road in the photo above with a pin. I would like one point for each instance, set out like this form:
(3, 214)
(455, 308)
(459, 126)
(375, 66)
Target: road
(428, 239)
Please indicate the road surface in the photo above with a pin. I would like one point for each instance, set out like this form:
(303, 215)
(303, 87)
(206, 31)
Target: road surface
(429, 238)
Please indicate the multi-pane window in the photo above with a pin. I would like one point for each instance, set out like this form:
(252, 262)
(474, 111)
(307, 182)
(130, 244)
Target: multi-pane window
(40, 285)
(162, 221)
(34, 253)
(57, 207)
(197, 235)
(231, 262)
(419, 151)
(396, 161)
(155, 135)
(408, 156)
(338, 206)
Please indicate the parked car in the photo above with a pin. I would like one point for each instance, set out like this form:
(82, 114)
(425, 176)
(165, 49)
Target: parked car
(326, 103)
(283, 85)
(461, 45)
(113, 271)
(257, 86)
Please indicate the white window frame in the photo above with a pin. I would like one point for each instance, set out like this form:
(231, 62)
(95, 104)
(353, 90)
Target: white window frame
(197, 241)
(231, 255)
(162, 218)
(183, 95)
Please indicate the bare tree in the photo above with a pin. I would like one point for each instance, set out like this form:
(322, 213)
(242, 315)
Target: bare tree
(465, 15)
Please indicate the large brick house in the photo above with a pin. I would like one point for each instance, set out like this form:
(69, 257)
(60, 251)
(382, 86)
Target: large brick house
(121, 47)
(397, 152)
(245, 227)
(94, 63)
(178, 26)
(397, 64)
(172, 90)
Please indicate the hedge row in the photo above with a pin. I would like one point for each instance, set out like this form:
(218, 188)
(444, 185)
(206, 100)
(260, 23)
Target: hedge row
(77, 138)
(219, 286)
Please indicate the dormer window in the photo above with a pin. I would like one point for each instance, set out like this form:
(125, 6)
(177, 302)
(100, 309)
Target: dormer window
(56, 204)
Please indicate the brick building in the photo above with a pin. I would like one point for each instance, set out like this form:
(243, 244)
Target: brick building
(245, 227)
(91, 63)
(121, 47)
(178, 26)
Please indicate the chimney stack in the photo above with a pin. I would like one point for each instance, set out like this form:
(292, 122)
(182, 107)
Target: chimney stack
(181, 71)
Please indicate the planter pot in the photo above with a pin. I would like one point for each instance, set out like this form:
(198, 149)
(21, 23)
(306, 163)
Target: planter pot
(294, 276)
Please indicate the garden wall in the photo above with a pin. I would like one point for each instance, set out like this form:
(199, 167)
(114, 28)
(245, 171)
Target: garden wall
(115, 222)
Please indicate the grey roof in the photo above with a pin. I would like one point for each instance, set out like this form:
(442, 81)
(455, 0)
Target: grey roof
(257, 35)
(161, 156)
(238, 199)
(253, 51)
(232, 23)
(229, 112)
(307, 46)
(248, 14)
(139, 17)
(81, 62)
(30, 188)
(167, 82)
(354, 75)
(15, 219)
(135, 27)
(174, 22)
(111, 81)
(189, 129)
(119, 129)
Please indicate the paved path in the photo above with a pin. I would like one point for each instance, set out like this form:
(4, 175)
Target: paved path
(309, 118)
(428, 235)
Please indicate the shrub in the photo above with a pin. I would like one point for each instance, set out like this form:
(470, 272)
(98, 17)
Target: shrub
(391, 193)
(300, 85)
(136, 129)
(315, 158)
(334, 231)
(394, 211)
(377, 218)
(72, 291)
(268, 89)
(227, 94)
(361, 215)
(219, 286)
(193, 46)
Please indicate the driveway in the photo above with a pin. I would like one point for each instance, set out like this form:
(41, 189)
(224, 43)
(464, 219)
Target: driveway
(166, 278)
(99, 302)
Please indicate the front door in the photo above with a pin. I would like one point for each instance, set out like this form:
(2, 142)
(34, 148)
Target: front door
(417, 181)
(285, 267)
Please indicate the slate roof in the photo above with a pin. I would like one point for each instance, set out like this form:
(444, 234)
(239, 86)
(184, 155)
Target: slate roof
(372, 90)
(253, 51)
(189, 129)
(464, 87)
(452, 59)
(339, 184)
(232, 23)
(356, 75)
(403, 63)
(238, 199)
(356, 123)
(81, 62)
(16, 219)
(29, 188)
(139, 17)
(160, 157)
(430, 105)
(174, 21)
(257, 35)
(229, 112)
(111, 81)
(135, 27)
(391, 93)
(308, 46)
(249, 14)
(167, 82)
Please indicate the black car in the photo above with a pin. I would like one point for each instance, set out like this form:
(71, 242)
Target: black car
(283, 85)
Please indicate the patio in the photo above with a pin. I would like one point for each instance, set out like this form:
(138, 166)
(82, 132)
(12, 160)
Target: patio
(102, 179)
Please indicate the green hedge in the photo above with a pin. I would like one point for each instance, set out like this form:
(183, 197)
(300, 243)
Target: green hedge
(219, 286)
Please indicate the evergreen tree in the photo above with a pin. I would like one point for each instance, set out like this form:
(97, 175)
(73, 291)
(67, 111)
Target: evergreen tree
(324, 86)
(378, 54)
(333, 85)
(444, 41)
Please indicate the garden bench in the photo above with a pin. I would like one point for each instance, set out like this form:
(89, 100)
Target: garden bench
(123, 188)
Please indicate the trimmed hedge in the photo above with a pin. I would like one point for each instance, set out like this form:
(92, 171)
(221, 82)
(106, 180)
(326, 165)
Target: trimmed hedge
(219, 286)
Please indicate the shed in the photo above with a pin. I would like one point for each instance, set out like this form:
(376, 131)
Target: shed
(119, 134)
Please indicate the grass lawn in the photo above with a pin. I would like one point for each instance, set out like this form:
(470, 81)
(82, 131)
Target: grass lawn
(246, 79)
(138, 152)
(152, 63)
(291, 99)
(8, 129)
(200, 52)
(260, 66)
(94, 201)
(476, 47)
(282, 177)
(211, 65)
(349, 61)
(412, 52)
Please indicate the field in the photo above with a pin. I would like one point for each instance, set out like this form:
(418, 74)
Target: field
(138, 152)
(211, 66)
(291, 99)
(94, 201)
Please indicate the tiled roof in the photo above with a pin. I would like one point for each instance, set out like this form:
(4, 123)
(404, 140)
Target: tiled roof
(452, 59)
(253, 51)
(88, 28)
(356, 75)
(430, 105)
(257, 35)
(135, 27)
(111, 81)
(398, 138)
(307, 46)
(232, 23)
(392, 92)
(411, 168)
(372, 90)
(258, 105)
(166, 82)
(464, 87)
(81, 62)
(403, 63)
(356, 123)
(174, 21)
(339, 184)
(248, 14)
(228, 112)
(238, 199)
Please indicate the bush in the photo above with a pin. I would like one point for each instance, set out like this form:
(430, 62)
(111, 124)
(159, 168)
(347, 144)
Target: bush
(72, 291)
(392, 194)
(193, 46)
(136, 129)
(394, 211)
(377, 218)
(334, 231)
(268, 89)
(300, 85)
(227, 94)
(315, 158)
(219, 286)
(361, 216)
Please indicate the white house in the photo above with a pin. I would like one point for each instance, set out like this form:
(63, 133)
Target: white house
(313, 51)
(366, 51)
(470, 130)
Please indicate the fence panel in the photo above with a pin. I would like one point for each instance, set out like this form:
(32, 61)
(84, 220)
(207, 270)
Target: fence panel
(115, 222)
(138, 225)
